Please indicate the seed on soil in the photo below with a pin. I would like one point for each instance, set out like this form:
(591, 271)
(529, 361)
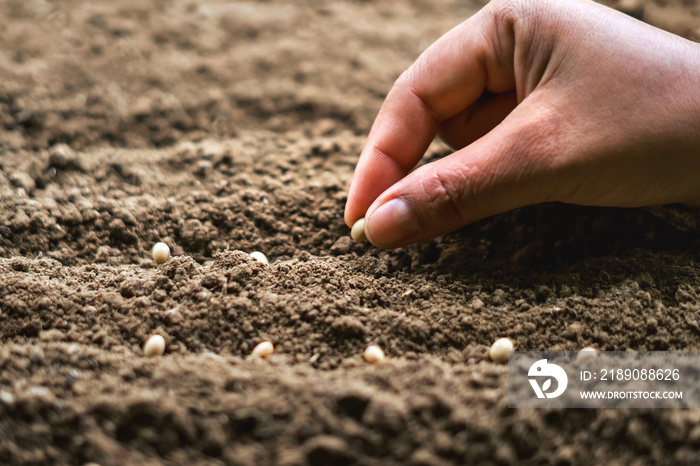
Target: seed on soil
(263, 349)
(154, 346)
(6, 397)
(260, 257)
(374, 354)
(358, 231)
(500, 349)
(161, 253)
(586, 354)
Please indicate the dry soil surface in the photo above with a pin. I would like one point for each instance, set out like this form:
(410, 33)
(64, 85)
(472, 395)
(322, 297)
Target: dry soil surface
(227, 127)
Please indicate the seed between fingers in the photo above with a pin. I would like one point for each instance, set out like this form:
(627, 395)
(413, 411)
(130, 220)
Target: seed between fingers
(358, 231)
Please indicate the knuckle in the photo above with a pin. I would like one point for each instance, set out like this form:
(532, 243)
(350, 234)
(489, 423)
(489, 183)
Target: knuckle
(506, 12)
(539, 137)
(449, 195)
(509, 14)
(409, 82)
(404, 77)
(538, 152)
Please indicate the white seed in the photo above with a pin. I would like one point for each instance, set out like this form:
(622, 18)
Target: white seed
(154, 346)
(260, 257)
(263, 349)
(374, 354)
(358, 231)
(161, 253)
(586, 354)
(6, 397)
(500, 349)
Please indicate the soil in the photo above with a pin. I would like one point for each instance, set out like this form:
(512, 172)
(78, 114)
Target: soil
(222, 128)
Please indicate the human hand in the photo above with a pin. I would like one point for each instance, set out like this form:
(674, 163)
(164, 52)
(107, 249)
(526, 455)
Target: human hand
(543, 101)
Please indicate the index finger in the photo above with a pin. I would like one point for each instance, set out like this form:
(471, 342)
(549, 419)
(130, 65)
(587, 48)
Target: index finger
(447, 78)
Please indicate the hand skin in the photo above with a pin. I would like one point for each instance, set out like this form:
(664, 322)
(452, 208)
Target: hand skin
(542, 100)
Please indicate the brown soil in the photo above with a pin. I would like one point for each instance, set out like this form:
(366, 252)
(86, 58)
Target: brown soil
(223, 127)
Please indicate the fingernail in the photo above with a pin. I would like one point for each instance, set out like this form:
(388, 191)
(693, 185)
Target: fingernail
(391, 223)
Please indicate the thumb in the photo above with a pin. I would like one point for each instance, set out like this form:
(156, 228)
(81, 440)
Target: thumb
(512, 166)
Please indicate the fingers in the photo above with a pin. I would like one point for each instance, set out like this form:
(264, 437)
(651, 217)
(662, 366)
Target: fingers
(446, 79)
(401, 134)
(477, 120)
(506, 169)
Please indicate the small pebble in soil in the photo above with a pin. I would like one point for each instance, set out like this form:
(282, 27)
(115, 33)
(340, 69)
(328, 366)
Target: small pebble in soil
(500, 349)
(161, 253)
(358, 231)
(586, 354)
(374, 354)
(154, 346)
(260, 257)
(263, 349)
